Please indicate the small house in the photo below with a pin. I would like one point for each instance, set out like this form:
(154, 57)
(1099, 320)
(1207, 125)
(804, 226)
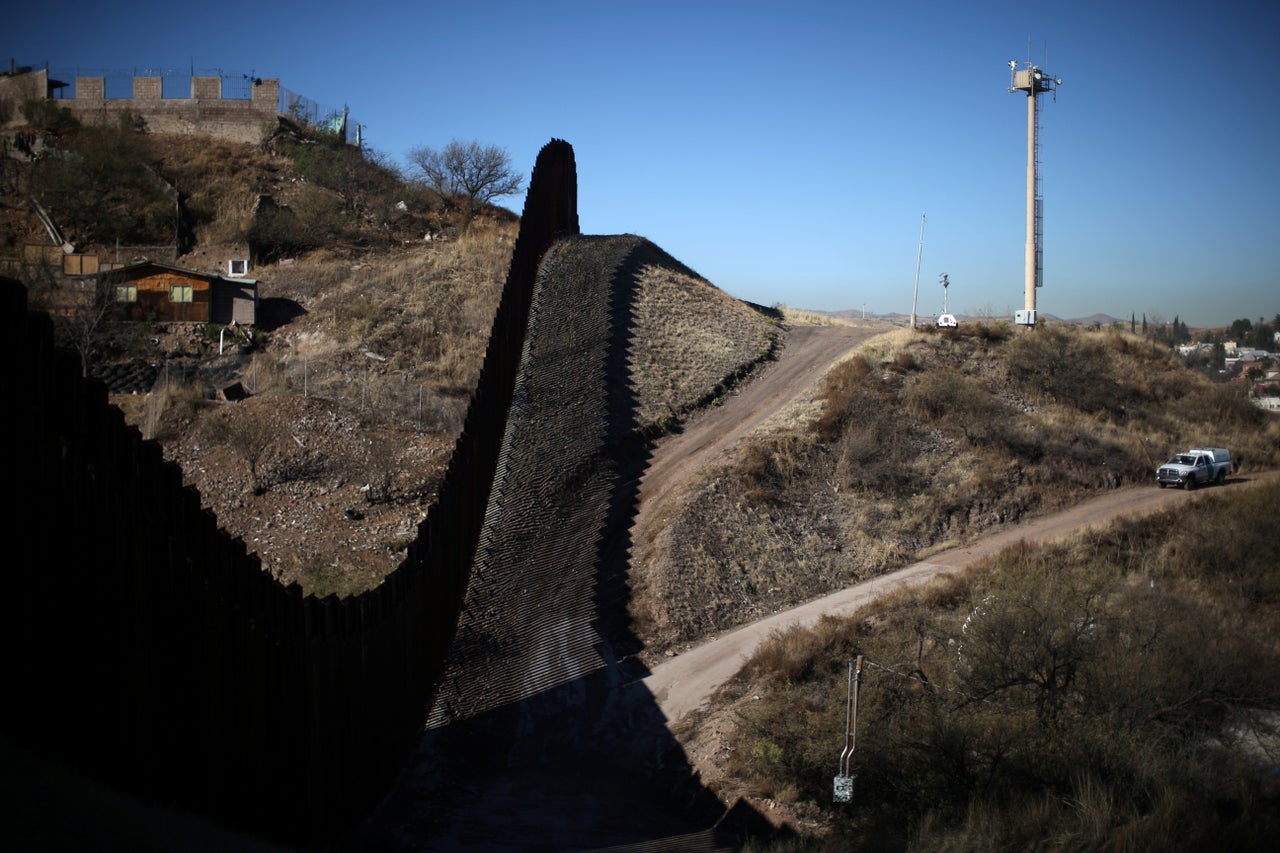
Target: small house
(166, 293)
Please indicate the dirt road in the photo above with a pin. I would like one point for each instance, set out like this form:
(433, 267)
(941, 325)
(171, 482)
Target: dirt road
(686, 682)
(807, 353)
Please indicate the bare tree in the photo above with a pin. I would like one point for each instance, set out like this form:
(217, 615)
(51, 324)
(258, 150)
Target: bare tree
(88, 324)
(468, 170)
(249, 434)
(82, 310)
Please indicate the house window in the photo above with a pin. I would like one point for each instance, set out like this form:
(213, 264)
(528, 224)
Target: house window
(126, 293)
(238, 268)
(179, 293)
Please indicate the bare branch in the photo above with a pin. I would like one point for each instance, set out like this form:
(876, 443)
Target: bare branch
(468, 170)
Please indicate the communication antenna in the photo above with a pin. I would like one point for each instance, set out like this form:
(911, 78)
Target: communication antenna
(945, 285)
(1033, 81)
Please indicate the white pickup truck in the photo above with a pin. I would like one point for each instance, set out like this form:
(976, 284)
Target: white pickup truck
(1194, 467)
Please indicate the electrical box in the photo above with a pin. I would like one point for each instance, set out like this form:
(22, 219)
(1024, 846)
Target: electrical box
(1024, 317)
(842, 789)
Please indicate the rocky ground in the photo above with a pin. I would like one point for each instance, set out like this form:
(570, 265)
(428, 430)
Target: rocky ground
(328, 488)
(342, 504)
(323, 493)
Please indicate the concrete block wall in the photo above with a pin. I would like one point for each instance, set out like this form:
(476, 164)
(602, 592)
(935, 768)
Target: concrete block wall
(91, 89)
(206, 112)
(16, 90)
(206, 88)
(148, 88)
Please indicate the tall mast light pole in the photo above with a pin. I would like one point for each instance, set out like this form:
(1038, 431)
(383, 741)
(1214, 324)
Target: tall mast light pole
(1033, 81)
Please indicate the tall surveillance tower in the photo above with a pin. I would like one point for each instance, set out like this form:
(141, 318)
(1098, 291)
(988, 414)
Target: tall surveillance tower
(1033, 81)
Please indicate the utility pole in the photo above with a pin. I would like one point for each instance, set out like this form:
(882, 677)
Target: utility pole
(919, 253)
(842, 784)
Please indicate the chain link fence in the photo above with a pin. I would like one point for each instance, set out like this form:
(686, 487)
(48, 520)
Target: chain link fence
(392, 397)
(306, 111)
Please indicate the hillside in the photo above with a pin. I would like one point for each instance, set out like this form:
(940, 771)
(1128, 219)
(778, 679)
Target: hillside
(1112, 687)
(918, 442)
(915, 441)
(369, 342)
(975, 430)
(360, 378)
(348, 458)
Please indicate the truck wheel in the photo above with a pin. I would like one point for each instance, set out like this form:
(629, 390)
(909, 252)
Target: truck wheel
(1221, 479)
(1190, 483)
(1160, 484)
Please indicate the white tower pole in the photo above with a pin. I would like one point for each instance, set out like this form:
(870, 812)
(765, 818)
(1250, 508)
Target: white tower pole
(1032, 81)
(919, 253)
(1030, 260)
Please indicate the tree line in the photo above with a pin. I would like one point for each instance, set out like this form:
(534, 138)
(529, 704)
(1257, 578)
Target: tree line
(1244, 332)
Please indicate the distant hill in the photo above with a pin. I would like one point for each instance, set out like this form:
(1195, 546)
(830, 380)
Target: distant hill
(897, 317)
(1093, 320)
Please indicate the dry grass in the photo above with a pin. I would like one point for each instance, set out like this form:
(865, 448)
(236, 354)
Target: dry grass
(406, 334)
(353, 402)
(1045, 698)
(924, 439)
(175, 406)
(394, 333)
(801, 317)
(691, 340)
(220, 182)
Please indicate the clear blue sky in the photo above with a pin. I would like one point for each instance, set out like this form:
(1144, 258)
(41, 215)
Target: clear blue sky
(787, 151)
